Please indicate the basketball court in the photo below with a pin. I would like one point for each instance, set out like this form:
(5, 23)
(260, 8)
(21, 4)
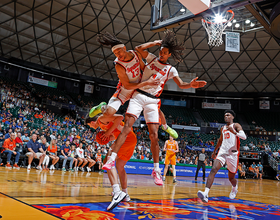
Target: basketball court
(66, 195)
(81, 195)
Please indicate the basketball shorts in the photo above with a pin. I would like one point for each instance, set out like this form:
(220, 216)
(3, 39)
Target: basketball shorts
(229, 158)
(120, 97)
(140, 102)
(127, 149)
(170, 159)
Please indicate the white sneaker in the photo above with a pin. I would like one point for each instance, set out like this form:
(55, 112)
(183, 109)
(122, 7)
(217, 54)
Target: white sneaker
(39, 168)
(203, 196)
(51, 167)
(76, 169)
(88, 169)
(82, 169)
(29, 167)
(233, 192)
(117, 198)
(127, 198)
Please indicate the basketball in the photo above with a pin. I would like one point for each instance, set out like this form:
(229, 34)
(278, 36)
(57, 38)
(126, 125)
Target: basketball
(99, 140)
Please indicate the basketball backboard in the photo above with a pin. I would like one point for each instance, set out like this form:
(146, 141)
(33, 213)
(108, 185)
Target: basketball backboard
(171, 13)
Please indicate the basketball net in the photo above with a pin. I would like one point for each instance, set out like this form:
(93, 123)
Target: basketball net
(215, 30)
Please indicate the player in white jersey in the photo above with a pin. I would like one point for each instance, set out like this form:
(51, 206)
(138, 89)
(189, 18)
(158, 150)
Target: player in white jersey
(128, 65)
(147, 98)
(229, 144)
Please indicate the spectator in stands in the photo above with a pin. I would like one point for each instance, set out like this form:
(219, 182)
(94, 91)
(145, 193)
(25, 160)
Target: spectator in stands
(241, 171)
(89, 156)
(212, 132)
(251, 170)
(34, 151)
(253, 122)
(72, 154)
(1, 135)
(66, 155)
(275, 154)
(245, 147)
(80, 156)
(253, 147)
(52, 149)
(8, 134)
(267, 148)
(10, 149)
(46, 160)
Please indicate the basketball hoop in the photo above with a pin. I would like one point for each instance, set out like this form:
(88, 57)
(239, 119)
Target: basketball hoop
(215, 29)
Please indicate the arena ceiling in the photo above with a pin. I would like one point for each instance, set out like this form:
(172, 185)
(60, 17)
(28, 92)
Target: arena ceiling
(62, 34)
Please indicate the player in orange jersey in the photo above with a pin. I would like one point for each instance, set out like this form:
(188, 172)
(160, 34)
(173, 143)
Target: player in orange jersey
(114, 125)
(171, 148)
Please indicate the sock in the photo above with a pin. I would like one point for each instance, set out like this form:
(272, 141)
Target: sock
(165, 126)
(113, 156)
(156, 166)
(124, 190)
(116, 188)
(206, 190)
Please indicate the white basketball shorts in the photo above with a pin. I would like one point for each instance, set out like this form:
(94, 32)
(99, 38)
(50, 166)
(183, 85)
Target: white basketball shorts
(140, 102)
(120, 97)
(230, 158)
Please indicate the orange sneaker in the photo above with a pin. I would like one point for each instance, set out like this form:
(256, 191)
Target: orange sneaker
(16, 166)
(8, 166)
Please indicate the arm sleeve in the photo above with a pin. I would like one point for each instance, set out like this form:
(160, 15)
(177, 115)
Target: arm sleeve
(241, 135)
(150, 57)
(173, 72)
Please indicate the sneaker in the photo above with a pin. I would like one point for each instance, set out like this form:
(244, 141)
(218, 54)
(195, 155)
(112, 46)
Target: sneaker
(96, 109)
(76, 169)
(82, 169)
(157, 177)
(29, 167)
(108, 165)
(71, 170)
(16, 167)
(117, 198)
(170, 131)
(233, 192)
(127, 198)
(8, 166)
(174, 180)
(88, 169)
(202, 196)
(63, 169)
(163, 178)
(39, 168)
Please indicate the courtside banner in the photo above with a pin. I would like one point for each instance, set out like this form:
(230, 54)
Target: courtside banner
(181, 170)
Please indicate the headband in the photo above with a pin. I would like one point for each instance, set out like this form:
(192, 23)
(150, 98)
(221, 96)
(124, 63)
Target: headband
(117, 47)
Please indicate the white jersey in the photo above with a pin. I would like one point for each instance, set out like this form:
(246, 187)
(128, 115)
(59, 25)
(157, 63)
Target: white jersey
(132, 69)
(230, 141)
(80, 152)
(161, 71)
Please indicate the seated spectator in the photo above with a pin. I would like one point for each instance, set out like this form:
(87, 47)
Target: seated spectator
(52, 149)
(278, 177)
(245, 147)
(72, 154)
(275, 154)
(1, 135)
(8, 134)
(241, 171)
(34, 151)
(89, 156)
(251, 170)
(81, 157)
(10, 149)
(66, 155)
(98, 159)
(25, 138)
(46, 160)
(18, 139)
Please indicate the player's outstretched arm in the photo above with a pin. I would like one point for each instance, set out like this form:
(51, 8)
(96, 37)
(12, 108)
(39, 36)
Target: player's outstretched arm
(193, 84)
(142, 49)
(164, 148)
(238, 131)
(128, 85)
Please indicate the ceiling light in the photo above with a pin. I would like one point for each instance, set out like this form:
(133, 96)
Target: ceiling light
(252, 24)
(234, 21)
(247, 21)
(182, 10)
(237, 25)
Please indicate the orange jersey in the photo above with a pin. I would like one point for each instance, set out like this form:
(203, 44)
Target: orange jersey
(52, 149)
(127, 149)
(98, 157)
(171, 146)
(8, 144)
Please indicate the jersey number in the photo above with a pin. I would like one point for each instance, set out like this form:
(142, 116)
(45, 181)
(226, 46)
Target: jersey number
(227, 135)
(135, 71)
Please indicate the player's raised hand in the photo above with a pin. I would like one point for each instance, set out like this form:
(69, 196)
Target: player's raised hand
(158, 42)
(197, 83)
